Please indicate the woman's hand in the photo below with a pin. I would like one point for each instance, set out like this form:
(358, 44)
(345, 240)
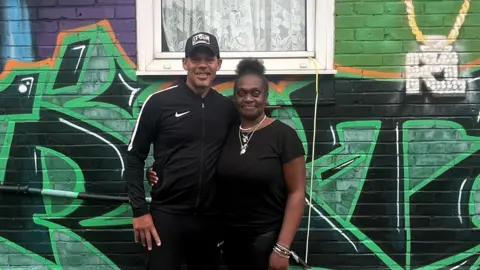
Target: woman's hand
(277, 262)
(151, 176)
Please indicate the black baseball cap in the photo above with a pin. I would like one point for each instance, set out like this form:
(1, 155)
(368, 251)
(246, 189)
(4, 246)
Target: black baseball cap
(202, 39)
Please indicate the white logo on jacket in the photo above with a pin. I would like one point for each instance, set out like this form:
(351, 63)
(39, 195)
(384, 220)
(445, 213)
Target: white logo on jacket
(181, 114)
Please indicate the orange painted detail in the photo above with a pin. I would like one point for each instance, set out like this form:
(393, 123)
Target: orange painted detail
(12, 63)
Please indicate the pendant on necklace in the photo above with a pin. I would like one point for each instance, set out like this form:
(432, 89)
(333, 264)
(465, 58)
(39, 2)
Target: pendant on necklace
(243, 149)
(435, 54)
(244, 138)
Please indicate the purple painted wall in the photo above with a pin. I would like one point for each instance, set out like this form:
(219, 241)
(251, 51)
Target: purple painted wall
(48, 17)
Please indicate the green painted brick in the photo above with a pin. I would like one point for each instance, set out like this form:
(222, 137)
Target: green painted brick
(470, 32)
(444, 30)
(359, 60)
(471, 20)
(474, 8)
(444, 7)
(449, 20)
(356, 1)
(372, 1)
(367, 8)
(368, 59)
(468, 55)
(398, 34)
(369, 34)
(385, 47)
(393, 60)
(411, 46)
(348, 47)
(344, 34)
(344, 9)
(349, 21)
(468, 45)
(386, 21)
(428, 20)
(399, 8)
(465, 42)
(406, 33)
(344, 59)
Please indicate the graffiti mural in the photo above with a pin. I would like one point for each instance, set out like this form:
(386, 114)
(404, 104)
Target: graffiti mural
(392, 152)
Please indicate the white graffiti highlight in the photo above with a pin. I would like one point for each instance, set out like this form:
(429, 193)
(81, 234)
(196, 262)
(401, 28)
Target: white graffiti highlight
(82, 50)
(134, 90)
(459, 204)
(437, 68)
(99, 137)
(333, 135)
(397, 143)
(458, 266)
(35, 160)
(26, 85)
(331, 224)
(343, 165)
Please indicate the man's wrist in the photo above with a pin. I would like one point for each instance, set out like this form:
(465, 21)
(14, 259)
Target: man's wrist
(138, 212)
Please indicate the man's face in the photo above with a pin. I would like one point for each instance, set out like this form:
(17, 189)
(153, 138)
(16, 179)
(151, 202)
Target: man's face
(201, 66)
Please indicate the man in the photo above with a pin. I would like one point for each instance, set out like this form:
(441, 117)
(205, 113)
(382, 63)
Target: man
(187, 124)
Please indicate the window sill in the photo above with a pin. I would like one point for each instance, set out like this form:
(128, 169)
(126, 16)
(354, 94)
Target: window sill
(277, 66)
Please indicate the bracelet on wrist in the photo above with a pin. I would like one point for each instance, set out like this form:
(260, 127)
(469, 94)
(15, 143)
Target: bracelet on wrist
(282, 247)
(281, 253)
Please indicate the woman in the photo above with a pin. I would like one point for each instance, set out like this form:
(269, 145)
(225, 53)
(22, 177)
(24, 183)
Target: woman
(261, 178)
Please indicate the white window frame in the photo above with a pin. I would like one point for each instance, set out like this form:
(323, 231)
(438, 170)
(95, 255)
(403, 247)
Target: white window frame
(319, 21)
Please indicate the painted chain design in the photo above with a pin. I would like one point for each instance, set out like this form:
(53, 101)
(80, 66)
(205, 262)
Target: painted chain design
(453, 33)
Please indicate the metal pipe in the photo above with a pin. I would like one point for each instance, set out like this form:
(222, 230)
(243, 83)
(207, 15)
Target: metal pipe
(63, 193)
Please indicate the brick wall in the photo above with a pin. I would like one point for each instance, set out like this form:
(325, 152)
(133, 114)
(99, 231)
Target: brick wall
(395, 179)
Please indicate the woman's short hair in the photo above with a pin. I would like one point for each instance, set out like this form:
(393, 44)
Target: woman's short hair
(251, 66)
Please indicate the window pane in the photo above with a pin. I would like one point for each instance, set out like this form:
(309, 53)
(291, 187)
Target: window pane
(239, 25)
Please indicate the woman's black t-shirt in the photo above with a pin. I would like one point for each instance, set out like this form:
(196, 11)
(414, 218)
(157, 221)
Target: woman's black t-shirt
(252, 185)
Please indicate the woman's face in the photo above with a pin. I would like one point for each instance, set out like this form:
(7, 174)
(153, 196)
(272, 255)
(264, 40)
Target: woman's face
(250, 98)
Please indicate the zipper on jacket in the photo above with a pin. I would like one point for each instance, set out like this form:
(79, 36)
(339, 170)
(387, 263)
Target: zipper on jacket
(201, 158)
